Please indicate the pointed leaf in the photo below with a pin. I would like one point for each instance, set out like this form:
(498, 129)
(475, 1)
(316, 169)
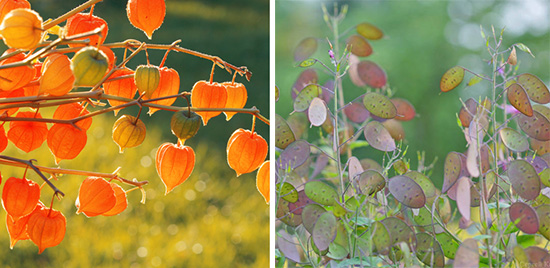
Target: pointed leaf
(536, 89)
(307, 63)
(524, 48)
(378, 137)
(519, 99)
(451, 79)
(474, 80)
(524, 179)
(407, 191)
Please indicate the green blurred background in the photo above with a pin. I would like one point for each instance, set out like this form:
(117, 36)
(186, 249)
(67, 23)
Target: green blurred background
(212, 220)
(422, 40)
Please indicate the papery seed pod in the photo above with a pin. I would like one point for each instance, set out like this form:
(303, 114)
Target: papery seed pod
(236, 97)
(125, 88)
(95, 197)
(27, 135)
(21, 28)
(86, 22)
(146, 15)
(57, 77)
(246, 151)
(169, 84)
(11, 94)
(8, 5)
(111, 58)
(66, 141)
(262, 180)
(185, 124)
(19, 197)
(89, 65)
(128, 132)
(174, 164)
(18, 229)
(33, 87)
(147, 79)
(208, 95)
(46, 228)
(15, 78)
(71, 111)
(121, 201)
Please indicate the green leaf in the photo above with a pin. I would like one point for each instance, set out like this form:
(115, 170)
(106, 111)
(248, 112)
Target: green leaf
(307, 63)
(474, 80)
(358, 144)
(524, 48)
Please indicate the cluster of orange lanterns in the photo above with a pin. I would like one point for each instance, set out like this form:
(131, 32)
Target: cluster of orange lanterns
(22, 29)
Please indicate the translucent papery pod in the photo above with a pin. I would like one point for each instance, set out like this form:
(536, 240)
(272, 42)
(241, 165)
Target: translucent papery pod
(57, 77)
(21, 28)
(208, 95)
(85, 22)
(174, 163)
(128, 131)
(246, 151)
(146, 15)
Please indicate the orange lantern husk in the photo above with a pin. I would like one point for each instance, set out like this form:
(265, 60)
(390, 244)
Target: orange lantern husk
(246, 151)
(66, 141)
(18, 229)
(262, 180)
(27, 135)
(174, 164)
(14, 78)
(3, 141)
(169, 84)
(208, 95)
(46, 228)
(71, 111)
(111, 58)
(57, 77)
(125, 88)
(146, 15)
(8, 5)
(85, 22)
(32, 88)
(236, 97)
(95, 197)
(121, 201)
(22, 28)
(19, 197)
(11, 94)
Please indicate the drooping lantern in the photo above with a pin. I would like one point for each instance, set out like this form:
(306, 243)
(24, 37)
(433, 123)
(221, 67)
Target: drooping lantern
(89, 65)
(46, 228)
(66, 141)
(125, 88)
(85, 22)
(146, 15)
(8, 5)
(15, 78)
(73, 110)
(18, 229)
(174, 164)
(121, 201)
(19, 197)
(185, 124)
(21, 28)
(262, 180)
(57, 77)
(246, 151)
(95, 197)
(236, 97)
(27, 135)
(169, 84)
(128, 132)
(208, 95)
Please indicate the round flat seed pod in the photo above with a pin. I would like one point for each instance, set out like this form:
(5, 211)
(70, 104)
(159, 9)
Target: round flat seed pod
(519, 99)
(407, 191)
(513, 140)
(524, 217)
(536, 89)
(536, 126)
(378, 137)
(283, 133)
(524, 179)
(451, 78)
(379, 105)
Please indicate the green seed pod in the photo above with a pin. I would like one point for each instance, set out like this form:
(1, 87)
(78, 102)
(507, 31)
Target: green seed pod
(185, 125)
(89, 65)
(128, 132)
(147, 78)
